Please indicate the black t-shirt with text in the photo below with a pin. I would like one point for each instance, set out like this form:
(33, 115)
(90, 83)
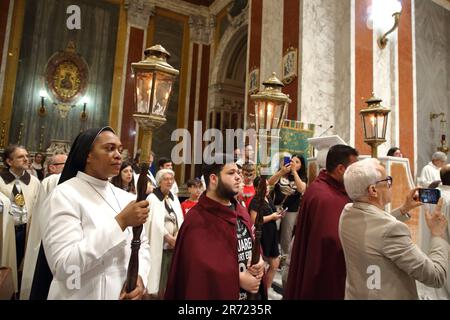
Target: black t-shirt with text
(244, 248)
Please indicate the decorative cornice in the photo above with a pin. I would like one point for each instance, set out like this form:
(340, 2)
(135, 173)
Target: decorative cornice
(201, 28)
(181, 7)
(139, 12)
(218, 5)
(240, 19)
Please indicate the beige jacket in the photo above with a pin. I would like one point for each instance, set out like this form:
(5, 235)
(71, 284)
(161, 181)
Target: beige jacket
(381, 259)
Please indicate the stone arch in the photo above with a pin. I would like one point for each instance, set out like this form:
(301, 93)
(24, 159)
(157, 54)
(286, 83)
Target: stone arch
(227, 81)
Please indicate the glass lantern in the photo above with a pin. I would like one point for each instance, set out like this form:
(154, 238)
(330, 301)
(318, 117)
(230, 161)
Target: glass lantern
(270, 105)
(154, 79)
(374, 119)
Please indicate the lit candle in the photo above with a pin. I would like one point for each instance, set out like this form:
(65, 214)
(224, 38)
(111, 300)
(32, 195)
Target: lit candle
(372, 123)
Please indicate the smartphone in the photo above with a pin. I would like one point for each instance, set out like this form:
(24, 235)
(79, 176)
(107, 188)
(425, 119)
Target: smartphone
(287, 161)
(430, 196)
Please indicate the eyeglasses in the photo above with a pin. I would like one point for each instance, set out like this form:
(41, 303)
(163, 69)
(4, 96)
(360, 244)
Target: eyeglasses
(388, 180)
(59, 163)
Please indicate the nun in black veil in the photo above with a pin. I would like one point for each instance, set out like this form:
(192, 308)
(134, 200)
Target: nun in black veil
(86, 240)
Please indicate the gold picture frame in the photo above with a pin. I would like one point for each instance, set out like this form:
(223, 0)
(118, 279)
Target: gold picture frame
(253, 81)
(290, 63)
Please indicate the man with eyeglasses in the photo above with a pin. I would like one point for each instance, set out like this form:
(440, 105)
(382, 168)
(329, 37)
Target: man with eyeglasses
(382, 261)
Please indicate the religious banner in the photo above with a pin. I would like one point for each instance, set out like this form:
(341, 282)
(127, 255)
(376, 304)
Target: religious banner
(294, 138)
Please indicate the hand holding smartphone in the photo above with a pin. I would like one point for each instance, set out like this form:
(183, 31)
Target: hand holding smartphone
(283, 212)
(429, 196)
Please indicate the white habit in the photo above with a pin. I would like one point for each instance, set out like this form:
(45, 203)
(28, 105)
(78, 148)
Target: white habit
(87, 251)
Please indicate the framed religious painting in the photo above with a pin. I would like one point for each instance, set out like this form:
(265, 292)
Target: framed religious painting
(66, 78)
(290, 63)
(253, 82)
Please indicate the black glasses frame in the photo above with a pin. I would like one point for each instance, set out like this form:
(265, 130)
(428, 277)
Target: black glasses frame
(388, 179)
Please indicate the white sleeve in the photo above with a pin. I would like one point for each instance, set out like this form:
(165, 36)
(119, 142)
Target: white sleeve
(65, 243)
(144, 257)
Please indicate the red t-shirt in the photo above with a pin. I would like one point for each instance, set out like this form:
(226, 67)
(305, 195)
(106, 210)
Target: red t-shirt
(248, 194)
(186, 205)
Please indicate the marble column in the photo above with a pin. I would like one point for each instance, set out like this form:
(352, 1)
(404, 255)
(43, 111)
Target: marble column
(201, 30)
(326, 66)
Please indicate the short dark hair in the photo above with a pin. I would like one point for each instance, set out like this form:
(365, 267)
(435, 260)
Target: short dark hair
(339, 154)
(391, 151)
(162, 161)
(214, 167)
(445, 175)
(9, 150)
(194, 183)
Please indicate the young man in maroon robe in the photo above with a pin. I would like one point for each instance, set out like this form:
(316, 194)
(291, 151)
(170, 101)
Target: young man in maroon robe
(317, 268)
(214, 245)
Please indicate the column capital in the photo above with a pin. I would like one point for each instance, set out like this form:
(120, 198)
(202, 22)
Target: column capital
(202, 28)
(139, 12)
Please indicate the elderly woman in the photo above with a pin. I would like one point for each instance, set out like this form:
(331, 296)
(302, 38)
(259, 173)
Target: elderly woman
(162, 228)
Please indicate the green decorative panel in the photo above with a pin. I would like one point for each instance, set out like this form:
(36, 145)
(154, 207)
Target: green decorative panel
(294, 138)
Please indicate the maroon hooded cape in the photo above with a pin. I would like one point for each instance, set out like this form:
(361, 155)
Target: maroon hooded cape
(317, 269)
(205, 259)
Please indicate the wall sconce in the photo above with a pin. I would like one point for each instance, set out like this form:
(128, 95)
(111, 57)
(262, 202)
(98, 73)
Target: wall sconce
(83, 115)
(380, 18)
(443, 129)
(42, 112)
(382, 41)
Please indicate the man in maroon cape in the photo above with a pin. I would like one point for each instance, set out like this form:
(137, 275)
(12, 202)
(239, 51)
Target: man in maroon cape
(317, 268)
(213, 240)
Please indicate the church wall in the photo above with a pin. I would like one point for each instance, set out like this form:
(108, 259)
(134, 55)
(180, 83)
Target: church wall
(169, 32)
(325, 59)
(272, 40)
(432, 74)
(44, 33)
(134, 53)
(385, 81)
(363, 70)
(6, 8)
(254, 49)
(291, 38)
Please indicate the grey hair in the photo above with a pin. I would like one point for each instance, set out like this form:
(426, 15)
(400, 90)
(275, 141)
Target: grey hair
(161, 173)
(359, 176)
(439, 156)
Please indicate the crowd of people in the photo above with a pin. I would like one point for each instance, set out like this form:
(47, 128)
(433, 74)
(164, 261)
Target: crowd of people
(67, 227)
